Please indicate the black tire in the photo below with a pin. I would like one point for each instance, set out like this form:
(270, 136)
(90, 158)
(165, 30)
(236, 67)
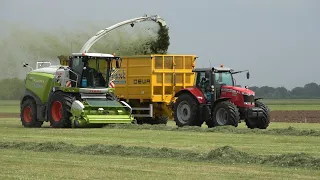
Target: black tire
(265, 119)
(28, 114)
(231, 113)
(191, 108)
(62, 102)
(161, 120)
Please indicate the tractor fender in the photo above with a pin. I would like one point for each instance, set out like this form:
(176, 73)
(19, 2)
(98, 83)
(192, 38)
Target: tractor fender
(30, 95)
(194, 92)
(256, 99)
(220, 100)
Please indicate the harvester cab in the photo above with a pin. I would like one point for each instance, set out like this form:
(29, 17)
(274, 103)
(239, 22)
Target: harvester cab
(217, 100)
(89, 70)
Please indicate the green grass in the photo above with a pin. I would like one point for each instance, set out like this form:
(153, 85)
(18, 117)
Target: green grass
(12, 130)
(293, 104)
(17, 164)
(294, 107)
(9, 106)
(30, 162)
(12, 106)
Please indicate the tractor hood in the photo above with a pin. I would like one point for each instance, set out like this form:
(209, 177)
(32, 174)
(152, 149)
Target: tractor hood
(239, 90)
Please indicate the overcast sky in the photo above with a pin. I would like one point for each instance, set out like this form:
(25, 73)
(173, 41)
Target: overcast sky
(277, 40)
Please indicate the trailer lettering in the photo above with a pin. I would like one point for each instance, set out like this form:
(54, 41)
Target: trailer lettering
(141, 81)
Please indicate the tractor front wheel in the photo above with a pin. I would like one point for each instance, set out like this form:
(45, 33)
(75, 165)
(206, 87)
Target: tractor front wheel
(28, 114)
(261, 122)
(265, 120)
(225, 113)
(59, 110)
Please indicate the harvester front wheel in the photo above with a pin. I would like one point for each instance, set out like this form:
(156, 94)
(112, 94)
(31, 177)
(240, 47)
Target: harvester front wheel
(225, 113)
(28, 114)
(185, 111)
(59, 111)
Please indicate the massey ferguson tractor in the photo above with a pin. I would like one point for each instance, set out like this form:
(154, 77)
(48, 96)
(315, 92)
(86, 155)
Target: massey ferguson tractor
(216, 100)
(79, 91)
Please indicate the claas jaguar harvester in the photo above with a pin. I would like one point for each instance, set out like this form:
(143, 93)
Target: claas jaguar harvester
(74, 95)
(79, 91)
(216, 100)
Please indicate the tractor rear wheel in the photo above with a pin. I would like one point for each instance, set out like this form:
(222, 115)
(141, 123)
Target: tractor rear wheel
(59, 110)
(186, 110)
(225, 113)
(28, 114)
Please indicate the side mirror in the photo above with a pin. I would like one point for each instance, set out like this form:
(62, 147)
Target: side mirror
(117, 64)
(27, 65)
(248, 75)
(234, 81)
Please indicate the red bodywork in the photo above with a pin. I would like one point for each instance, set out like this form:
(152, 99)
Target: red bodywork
(196, 92)
(233, 92)
(236, 95)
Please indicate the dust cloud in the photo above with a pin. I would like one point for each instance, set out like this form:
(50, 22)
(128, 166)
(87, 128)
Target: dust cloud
(28, 44)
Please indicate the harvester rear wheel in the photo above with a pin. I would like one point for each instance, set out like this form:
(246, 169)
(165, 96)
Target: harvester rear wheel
(28, 114)
(186, 110)
(225, 113)
(59, 110)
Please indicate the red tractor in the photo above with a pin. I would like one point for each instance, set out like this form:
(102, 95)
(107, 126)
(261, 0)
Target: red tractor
(216, 100)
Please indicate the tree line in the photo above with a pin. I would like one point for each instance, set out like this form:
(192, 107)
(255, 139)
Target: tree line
(308, 91)
(13, 89)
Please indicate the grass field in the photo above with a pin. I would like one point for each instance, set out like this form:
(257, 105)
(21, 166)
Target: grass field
(274, 104)
(293, 104)
(283, 151)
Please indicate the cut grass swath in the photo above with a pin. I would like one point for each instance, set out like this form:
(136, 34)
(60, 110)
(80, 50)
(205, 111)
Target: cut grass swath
(226, 154)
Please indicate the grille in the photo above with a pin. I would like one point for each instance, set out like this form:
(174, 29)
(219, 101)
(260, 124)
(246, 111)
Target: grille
(247, 98)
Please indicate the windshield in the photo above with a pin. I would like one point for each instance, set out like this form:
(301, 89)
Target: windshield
(224, 78)
(92, 72)
(96, 72)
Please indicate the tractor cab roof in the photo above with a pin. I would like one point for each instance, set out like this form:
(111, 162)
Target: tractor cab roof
(95, 55)
(215, 69)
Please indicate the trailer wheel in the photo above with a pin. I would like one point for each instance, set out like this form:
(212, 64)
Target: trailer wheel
(185, 111)
(28, 114)
(264, 120)
(161, 120)
(59, 110)
(225, 113)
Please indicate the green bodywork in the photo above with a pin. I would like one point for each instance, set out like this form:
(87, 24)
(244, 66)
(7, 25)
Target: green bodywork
(96, 111)
(40, 84)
